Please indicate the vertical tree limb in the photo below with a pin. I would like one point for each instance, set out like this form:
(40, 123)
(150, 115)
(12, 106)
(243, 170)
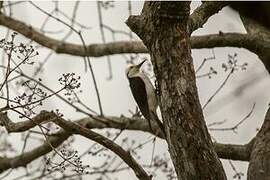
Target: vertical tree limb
(163, 28)
(259, 164)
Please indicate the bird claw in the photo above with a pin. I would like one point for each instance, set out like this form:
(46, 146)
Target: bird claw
(137, 113)
(156, 88)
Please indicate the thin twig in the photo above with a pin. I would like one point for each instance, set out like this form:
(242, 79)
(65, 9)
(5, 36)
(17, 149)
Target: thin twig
(233, 128)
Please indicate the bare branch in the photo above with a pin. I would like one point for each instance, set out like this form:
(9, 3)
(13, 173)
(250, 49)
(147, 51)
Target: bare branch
(225, 151)
(236, 126)
(23, 125)
(200, 15)
(27, 157)
(124, 155)
(233, 151)
(250, 42)
(94, 50)
(222, 40)
(69, 127)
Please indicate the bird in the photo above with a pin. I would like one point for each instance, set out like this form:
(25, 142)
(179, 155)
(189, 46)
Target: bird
(144, 94)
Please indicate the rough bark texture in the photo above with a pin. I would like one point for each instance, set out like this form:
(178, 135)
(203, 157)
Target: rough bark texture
(259, 164)
(233, 151)
(163, 28)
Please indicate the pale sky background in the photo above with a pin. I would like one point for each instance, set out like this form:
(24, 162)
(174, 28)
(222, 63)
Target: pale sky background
(230, 104)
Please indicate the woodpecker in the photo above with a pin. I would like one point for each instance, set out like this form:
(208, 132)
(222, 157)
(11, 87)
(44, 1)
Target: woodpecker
(144, 94)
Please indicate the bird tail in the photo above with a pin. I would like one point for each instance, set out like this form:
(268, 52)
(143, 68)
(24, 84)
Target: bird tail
(154, 117)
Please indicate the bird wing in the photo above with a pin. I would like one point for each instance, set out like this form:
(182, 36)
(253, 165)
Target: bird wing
(139, 93)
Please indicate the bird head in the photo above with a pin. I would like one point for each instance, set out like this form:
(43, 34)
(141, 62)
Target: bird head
(133, 70)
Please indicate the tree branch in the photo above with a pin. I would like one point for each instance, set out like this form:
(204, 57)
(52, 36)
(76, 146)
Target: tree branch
(94, 50)
(78, 127)
(233, 151)
(250, 42)
(225, 151)
(222, 40)
(200, 15)
(255, 42)
(75, 128)
(27, 157)
(22, 126)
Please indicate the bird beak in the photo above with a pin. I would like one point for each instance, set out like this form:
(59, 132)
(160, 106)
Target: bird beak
(139, 65)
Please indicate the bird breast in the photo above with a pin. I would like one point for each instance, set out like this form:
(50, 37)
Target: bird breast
(151, 94)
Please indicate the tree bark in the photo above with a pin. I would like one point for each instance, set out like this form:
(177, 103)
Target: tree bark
(163, 28)
(259, 164)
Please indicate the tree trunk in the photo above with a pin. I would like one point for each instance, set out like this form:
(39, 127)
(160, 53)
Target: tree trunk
(163, 28)
(259, 164)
